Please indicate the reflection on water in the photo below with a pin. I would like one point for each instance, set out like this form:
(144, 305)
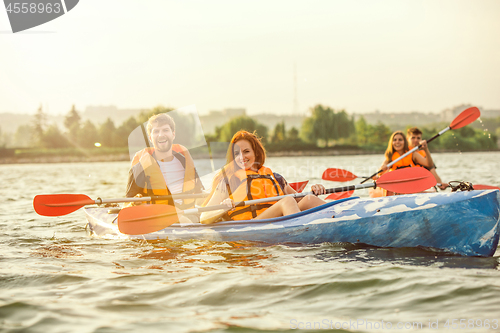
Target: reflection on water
(406, 256)
(55, 277)
(230, 253)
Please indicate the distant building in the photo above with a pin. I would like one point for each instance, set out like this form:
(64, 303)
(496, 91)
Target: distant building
(396, 121)
(233, 113)
(219, 118)
(449, 114)
(99, 114)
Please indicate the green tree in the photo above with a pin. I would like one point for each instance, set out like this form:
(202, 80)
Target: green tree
(326, 125)
(38, 126)
(53, 138)
(23, 138)
(107, 133)
(89, 135)
(123, 132)
(72, 123)
(362, 131)
(242, 123)
(72, 118)
(380, 134)
(307, 130)
(3, 139)
(293, 135)
(344, 125)
(323, 126)
(279, 133)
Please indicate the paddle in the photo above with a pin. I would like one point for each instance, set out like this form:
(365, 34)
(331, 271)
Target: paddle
(463, 119)
(485, 187)
(339, 175)
(299, 186)
(145, 219)
(62, 204)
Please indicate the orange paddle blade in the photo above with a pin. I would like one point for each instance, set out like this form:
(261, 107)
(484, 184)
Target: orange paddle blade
(338, 175)
(465, 118)
(60, 204)
(407, 180)
(299, 186)
(340, 195)
(144, 219)
(485, 187)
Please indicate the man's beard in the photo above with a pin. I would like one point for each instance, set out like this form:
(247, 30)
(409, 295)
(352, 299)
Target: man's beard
(166, 149)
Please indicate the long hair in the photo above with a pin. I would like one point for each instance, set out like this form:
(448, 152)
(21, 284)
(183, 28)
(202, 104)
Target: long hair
(231, 166)
(390, 148)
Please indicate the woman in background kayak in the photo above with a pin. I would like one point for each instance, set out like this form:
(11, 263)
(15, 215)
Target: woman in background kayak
(397, 147)
(245, 177)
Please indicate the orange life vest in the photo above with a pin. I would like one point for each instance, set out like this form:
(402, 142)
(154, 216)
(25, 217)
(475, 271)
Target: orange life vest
(253, 185)
(406, 162)
(421, 152)
(155, 182)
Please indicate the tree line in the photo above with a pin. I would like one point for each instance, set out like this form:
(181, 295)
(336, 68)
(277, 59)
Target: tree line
(323, 128)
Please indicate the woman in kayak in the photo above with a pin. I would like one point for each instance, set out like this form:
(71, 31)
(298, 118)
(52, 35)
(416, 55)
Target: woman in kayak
(398, 146)
(245, 177)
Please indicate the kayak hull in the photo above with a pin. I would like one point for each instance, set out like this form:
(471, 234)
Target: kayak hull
(465, 223)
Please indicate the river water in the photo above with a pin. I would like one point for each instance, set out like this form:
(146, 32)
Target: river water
(55, 277)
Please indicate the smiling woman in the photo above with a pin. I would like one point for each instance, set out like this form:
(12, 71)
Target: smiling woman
(398, 146)
(246, 178)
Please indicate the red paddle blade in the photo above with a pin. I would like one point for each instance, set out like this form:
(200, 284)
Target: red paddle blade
(299, 186)
(60, 204)
(465, 118)
(407, 180)
(144, 219)
(338, 175)
(485, 187)
(340, 195)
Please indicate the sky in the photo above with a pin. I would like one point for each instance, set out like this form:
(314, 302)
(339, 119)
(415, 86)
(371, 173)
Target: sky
(361, 56)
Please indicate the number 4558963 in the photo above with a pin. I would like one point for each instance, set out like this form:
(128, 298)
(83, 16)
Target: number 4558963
(471, 323)
(25, 8)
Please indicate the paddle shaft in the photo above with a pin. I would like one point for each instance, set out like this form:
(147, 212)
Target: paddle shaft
(408, 153)
(293, 195)
(100, 201)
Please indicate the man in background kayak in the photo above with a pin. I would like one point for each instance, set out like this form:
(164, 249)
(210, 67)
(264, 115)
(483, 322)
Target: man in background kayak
(414, 136)
(164, 169)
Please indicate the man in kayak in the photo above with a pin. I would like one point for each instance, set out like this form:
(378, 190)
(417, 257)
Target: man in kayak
(414, 136)
(164, 169)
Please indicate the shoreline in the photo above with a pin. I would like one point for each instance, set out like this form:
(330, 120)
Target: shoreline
(126, 158)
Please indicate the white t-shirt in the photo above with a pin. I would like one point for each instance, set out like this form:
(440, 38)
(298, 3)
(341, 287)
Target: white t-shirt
(173, 172)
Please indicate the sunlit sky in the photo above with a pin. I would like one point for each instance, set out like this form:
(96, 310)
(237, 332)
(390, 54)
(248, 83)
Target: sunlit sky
(361, 56)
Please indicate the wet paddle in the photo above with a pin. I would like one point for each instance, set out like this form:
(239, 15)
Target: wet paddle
(485, 187)
(62, 204)
(339, 175)
(145, 219)
(299, 186)
(463, 119)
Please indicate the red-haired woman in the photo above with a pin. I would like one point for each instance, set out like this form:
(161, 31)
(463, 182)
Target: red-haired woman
(246, 178)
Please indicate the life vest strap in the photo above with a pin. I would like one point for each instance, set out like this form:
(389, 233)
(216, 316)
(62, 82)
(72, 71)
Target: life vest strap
(251, 208)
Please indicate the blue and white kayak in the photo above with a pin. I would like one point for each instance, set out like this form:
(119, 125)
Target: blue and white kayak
(465, 223)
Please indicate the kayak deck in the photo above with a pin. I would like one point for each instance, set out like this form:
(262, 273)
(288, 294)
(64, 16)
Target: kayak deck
(465, 223)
